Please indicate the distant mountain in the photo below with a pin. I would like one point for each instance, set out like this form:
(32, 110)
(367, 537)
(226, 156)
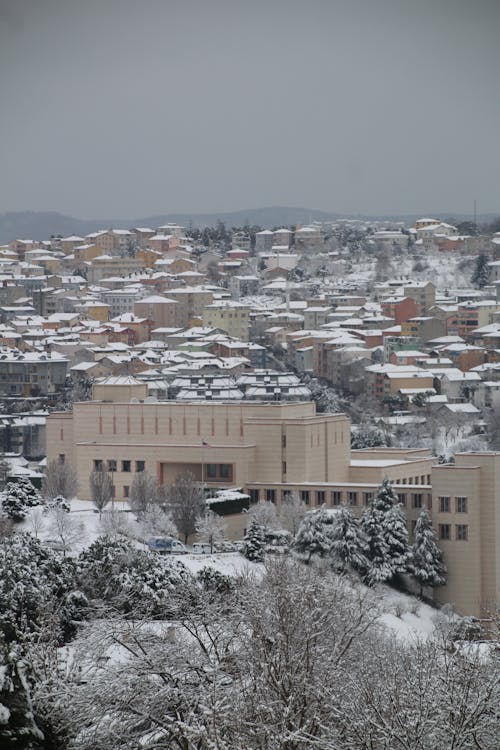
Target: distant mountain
(39, 225)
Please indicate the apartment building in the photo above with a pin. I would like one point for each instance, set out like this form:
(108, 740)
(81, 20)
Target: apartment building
(31, 373)
(228, 315)
(273, 449)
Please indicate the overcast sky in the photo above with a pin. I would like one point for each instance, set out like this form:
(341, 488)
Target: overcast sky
(120, 108)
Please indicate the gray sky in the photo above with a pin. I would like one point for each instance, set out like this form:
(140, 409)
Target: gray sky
(119, 108)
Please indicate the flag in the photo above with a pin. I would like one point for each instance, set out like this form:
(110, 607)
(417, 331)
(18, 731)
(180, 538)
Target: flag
(205, 444)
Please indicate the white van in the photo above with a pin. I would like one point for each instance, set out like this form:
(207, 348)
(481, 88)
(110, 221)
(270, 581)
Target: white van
(201, 548)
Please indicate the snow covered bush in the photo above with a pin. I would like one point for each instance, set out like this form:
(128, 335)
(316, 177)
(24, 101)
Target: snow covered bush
(17, 497)
(34, 582)
(134, 582)
(254, 542)
(57, 502)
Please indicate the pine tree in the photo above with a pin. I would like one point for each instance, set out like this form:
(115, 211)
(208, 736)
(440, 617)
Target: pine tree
(385, 537)
(254, 542)
(14, 507)
(346, 543)
(312, 538)
(482, 271)
(18, 729)
(427, 560)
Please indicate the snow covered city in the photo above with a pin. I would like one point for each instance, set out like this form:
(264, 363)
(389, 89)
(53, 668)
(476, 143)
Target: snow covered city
(249, 375)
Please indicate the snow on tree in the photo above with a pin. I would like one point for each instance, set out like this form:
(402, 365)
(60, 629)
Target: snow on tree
(211, 528)
(292, 511)
(254, 542)
(63, 527)
(18, 728)
(482, 271)
(57, 502)
(264, 513)
(134, 582)
(18, 497)
(60, 480)
(427, 559)
(312, 538)
(33, 584)
(385, 537)
(155, 521)
(346, 545)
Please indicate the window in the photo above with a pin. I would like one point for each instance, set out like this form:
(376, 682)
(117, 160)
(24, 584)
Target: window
(62, 458)
(283, 441)
(286, 495)
(283, 468)
(126, 490)
(367, 497)
(271, 496)
(126, 465)
(444, 504)
(461, 532)
(304, 496)
(353, 498)
(402, 498)
(321, 497)
(219, 472)
(460, 505)
(444, 531)
(112, 465)
(140, 465)
(211, 471)
(336, 497)
(254, 496)
(417, 500)
(226, 472)
(98, 465)
(413, 526)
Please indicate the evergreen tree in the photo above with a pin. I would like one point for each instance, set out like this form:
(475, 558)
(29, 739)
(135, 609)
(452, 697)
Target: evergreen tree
(18, 497)
(482, 271)
(254, 542)
(18, 729)
(313, 538)
(427, 563)
(346, 543)
(385, 537)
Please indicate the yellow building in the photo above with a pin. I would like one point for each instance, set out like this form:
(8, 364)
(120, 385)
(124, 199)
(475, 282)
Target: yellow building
(273, 449)
(229, 316)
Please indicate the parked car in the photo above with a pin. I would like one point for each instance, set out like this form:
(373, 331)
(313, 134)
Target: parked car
(166, 545)
(202, 548)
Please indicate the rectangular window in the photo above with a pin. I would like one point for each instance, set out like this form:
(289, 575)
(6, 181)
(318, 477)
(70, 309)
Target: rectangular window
(353, 498)
(283, 468)
(336, 497)
(304, 496)
(211, 471)
(461, 532)
(367, 497)
(271, 496)
(460, 505)
(98, 464)
(283, 441)
(321, 497)
(286, 495)
(254, 496)
(226, 472)
(140, 465)
(444, 504)
(402, 498)
(417, 500)
(126, 490)
(444, 532)
(112, 465)
(62, 458)
(126, 465)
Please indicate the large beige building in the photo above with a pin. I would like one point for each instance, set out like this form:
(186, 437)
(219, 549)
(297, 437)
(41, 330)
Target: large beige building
(273, 449)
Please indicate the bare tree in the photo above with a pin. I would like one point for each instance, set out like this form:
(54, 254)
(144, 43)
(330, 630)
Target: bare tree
(264, 513)
(143, 493)
(64, 528)
(101, 489)
(187, 504)
(37, 520)
(211, 528)
(292, 511)
(157, 521)
(60, 479)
